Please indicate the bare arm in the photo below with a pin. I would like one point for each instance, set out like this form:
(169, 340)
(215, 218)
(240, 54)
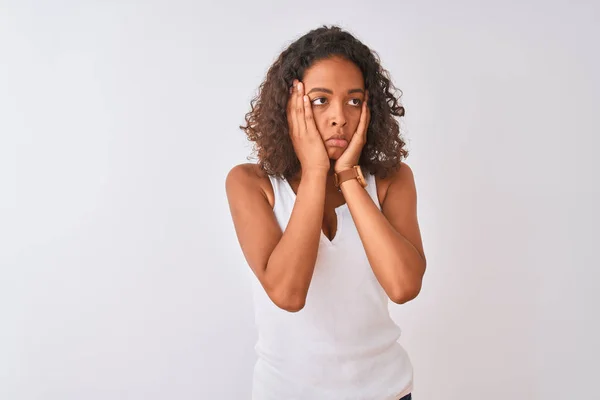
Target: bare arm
(283, 262)
(391, 237)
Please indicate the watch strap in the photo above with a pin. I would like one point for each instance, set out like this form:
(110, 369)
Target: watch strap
(347, 174)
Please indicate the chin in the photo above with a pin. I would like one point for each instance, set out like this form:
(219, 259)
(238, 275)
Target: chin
(335, 153)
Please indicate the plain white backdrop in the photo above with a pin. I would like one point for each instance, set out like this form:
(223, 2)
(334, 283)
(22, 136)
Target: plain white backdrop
(120, 273)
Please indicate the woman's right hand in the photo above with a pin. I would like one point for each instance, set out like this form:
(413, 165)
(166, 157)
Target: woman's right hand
(305, 136)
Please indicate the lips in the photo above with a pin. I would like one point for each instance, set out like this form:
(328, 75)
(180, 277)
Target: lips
(337, 142)
(338, 135)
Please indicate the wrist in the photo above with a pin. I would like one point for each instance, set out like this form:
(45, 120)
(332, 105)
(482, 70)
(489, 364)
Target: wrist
(317, 172)
(342, 168)
(351, 173)
(349, 182)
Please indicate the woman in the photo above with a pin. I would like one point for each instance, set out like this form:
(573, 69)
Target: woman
(328, 251)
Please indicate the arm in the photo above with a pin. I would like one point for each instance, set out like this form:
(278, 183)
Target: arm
(391, 237)
(282, 262)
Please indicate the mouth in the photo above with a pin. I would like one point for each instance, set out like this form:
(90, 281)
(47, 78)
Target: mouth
(337, 142)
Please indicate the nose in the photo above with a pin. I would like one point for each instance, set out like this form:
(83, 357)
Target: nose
(337, 117)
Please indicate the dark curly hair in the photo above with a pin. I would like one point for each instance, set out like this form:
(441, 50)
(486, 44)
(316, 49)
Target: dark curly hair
(266, 123)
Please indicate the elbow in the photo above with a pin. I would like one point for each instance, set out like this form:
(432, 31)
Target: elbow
(405, 293)
(292, 305)
(407, 288)
(287, 301)
(291, 299)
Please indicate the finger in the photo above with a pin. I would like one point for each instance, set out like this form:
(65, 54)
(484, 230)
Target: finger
(368, 119)
(362, 122)
(368, 111)
(295, 102)
(290, 97)
(299, 114)
(355, 146)
(290, 109)
(309, 118)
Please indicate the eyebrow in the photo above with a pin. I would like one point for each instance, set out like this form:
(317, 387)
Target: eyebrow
(318, 89)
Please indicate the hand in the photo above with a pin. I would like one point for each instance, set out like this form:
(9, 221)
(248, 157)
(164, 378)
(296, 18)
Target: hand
(351, 155)
(305, 136)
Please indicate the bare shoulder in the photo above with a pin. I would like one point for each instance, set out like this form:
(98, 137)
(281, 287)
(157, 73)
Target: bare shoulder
(249, 177)
(403, 177)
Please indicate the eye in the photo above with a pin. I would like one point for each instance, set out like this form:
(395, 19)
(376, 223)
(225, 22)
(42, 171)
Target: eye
(318, 98)
(358, 102)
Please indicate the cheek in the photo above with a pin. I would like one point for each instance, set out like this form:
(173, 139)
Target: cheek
(321, 123)
(353, 121)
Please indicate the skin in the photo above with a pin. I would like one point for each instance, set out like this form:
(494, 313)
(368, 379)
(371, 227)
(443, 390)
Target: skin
(337, 102)
(335, 88)
(284, 261)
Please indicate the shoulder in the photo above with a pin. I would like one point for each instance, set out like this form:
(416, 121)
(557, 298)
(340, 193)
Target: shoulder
(249, 178)
(402, 177)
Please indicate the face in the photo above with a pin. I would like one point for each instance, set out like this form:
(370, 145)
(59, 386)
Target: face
(336, 91)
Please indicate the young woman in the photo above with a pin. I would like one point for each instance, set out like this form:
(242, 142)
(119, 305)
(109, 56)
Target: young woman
(327, 221)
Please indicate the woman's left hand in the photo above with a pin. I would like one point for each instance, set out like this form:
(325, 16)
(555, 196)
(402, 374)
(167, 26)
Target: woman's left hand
(351, 155)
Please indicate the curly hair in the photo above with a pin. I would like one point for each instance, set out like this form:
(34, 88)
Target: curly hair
(266, 123)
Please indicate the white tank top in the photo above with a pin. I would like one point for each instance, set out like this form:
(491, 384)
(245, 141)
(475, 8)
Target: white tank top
(343, 344)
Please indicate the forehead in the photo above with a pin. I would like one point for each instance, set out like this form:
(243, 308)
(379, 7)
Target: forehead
(334, 73)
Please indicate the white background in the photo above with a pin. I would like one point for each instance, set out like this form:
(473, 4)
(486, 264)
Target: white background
(120, 273)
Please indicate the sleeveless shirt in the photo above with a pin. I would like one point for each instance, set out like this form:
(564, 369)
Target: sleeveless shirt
(343, 345)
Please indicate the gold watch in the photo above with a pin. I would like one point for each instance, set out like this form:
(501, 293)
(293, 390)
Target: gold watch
(351, 173)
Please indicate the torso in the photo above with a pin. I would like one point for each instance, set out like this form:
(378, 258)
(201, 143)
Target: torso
(333, 198)
(343, 342)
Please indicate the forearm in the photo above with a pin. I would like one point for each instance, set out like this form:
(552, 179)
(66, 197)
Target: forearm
(396, 263)
(291, 264)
